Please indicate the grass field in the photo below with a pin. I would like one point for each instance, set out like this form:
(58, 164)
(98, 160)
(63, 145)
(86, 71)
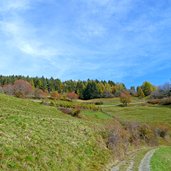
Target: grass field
(148, 114)
(38, 137)
(161, 160)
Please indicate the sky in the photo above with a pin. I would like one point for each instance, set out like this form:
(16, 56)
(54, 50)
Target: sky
(121, 40)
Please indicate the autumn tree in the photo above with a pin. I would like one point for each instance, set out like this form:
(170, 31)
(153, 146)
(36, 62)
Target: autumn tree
(125, 98)
(22, 88)
(8, 89)
(147, 88)
(40, 94)
(140, 93)
(72, 95)
(55, 95)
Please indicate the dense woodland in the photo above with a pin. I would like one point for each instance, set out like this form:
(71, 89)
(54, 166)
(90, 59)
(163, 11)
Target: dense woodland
(22, 86)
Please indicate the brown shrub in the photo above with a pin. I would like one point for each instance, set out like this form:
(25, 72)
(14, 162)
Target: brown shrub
(72, 95)
(8, 89)
(161, 131)
(154, 101)
(40, 94)
(166, 101)
(55, 95)
(70, 111)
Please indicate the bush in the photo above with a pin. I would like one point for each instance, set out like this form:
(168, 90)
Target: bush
(99, 103)
(55, 95)
(154, 101)
(72, 95)
(161, 131)
(147, 134)
(8, 89)
(166, 101)
(40, 94)
(117, 138)
(73, 112)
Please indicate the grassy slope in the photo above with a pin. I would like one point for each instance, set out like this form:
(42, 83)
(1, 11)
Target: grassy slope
(161, 160)
(37, 137)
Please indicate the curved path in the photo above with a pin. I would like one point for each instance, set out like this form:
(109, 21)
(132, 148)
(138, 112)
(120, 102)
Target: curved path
(144, 165)
(145, 162)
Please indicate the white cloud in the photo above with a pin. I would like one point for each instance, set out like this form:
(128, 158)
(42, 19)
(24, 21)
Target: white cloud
(22, 38)
(20, 34)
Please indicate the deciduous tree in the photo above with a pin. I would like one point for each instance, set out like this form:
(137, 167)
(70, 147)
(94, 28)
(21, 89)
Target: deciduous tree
(22, 88)
(125, 98)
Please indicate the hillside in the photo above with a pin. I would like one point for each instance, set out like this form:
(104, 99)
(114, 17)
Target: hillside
(37, 137)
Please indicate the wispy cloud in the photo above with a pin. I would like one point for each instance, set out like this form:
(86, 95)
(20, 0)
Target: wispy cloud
(20, 34)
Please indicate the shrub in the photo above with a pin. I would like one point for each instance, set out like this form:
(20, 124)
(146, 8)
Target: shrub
(73, 112)
(166, 101)
(40, 94)
(72, 95)
(161, 131)
(117, 139)
(76, 112)
(99, 103)
(8, 89)
(55, 95)
(162, 91)
(154, 101)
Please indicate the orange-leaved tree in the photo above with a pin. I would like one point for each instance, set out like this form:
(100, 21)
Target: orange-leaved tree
(125, 98)
(22, 88)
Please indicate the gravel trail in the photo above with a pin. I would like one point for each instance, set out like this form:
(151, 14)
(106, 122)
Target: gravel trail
(145, 162)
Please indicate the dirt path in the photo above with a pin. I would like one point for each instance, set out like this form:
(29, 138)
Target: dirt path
(130, 166)
(145, 162)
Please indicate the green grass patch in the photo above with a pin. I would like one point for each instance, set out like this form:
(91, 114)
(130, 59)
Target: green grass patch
(147, 114)
(161, 160)
(96, 114)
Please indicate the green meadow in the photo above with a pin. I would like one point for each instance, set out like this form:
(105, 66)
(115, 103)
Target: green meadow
(36, 137)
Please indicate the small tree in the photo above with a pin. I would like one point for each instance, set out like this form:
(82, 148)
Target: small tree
(55, 95)
(148, 88)
(40, 94)
(125, 98)
(22, 88)
(8, 89)
(140, 93)
(72, 95)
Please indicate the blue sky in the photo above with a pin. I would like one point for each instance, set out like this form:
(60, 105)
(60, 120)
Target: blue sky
(121, 40)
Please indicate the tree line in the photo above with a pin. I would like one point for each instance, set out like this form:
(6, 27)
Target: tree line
(89, 89)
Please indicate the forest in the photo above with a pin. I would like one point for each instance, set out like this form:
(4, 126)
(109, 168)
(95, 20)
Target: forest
(38, 87)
